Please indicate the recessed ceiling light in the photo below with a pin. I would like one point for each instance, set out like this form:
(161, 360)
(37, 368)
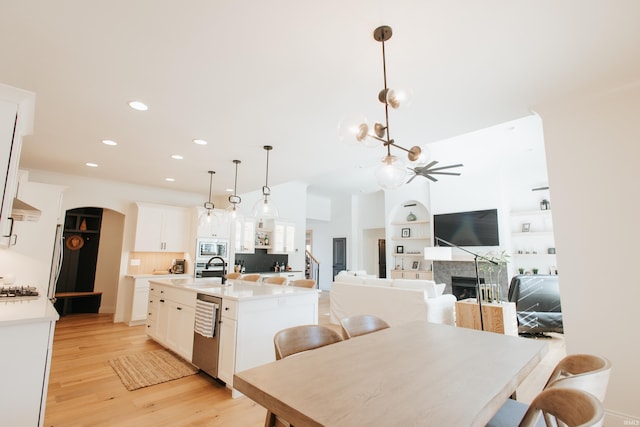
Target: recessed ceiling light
(177, 157)
(137, 105)
(92, 165)
(200, 141)
(170, 179)
(109, 142)
(229, 190)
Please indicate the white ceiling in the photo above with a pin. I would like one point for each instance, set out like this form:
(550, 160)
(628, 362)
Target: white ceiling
(243, 74)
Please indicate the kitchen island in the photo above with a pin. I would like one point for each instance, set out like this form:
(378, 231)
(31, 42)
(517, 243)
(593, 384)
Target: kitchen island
(251, 314)
(26, 332)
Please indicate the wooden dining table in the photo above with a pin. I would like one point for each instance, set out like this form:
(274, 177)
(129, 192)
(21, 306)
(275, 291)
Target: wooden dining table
(415, 374)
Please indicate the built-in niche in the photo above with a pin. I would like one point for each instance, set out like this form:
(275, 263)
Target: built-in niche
(81, 240)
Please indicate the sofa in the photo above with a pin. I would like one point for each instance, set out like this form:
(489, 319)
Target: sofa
(537, 299)
(396, 301)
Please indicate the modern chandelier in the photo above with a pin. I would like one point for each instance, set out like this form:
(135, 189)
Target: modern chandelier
(392, 172)
(234, 199)
(264, 208)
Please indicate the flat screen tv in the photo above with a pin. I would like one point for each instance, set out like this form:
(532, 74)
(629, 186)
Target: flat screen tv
(473, 228)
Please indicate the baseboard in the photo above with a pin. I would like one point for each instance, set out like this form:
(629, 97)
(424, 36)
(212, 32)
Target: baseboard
(612, 418)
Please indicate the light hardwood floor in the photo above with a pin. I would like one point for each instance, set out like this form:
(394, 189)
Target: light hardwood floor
(85, 391)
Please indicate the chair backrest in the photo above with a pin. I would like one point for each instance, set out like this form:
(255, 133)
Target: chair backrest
(584, 372)
(233, 275)
(275, 280)
(302, 338)
(250, 277)
(570, 406)
(303, 283)
(360, 324)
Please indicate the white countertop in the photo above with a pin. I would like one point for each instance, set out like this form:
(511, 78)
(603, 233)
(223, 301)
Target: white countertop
(151, 275)
(19, 311)
(236, 290)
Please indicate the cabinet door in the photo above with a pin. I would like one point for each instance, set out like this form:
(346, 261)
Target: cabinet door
(283, 237)
(175, 229)
(227, 350)
(140, 300)
(245, 236)
(9, 153)
(149, 229)
(180, 329)
(162, 320)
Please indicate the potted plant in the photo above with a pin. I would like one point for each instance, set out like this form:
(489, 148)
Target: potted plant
(492, 271)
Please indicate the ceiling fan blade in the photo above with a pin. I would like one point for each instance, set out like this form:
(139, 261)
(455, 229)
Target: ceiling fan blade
(540, 188)
(446, 167)
(445, 173)
(431, 163)
(430, 177)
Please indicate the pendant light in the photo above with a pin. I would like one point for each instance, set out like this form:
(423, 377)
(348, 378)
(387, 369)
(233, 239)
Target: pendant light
(265, 208)
(234, 199)
(208, 215)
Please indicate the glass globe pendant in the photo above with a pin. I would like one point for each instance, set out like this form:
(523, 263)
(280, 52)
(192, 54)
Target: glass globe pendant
(391, 173)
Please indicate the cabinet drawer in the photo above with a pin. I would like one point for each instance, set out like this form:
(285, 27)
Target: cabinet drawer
(229, 308)
(181, 296)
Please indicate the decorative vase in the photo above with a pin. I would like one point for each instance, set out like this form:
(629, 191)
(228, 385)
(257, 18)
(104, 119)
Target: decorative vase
(411, 217)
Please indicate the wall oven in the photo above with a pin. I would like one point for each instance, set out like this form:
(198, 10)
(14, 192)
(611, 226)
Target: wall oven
(208, 248)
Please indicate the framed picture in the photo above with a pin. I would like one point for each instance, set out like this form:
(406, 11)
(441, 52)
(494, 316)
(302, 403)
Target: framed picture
(406, 232)
(415, 265)
(525, 227)
(399, 249)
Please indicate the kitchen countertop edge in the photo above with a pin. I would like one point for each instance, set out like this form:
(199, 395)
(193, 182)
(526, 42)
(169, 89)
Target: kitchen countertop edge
(237, 292)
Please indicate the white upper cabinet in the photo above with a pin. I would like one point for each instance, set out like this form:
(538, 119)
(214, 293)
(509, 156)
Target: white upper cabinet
(16, 120)
(245, 234)
(162, 228)
(283, 237)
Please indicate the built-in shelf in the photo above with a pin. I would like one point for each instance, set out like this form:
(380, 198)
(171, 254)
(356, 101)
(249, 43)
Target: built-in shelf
(425, 221)
(408, 255)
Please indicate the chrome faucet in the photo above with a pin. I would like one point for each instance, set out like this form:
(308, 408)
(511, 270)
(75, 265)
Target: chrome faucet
(224, 270)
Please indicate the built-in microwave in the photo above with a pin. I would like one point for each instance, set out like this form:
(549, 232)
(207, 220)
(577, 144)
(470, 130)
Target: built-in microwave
(208, 247)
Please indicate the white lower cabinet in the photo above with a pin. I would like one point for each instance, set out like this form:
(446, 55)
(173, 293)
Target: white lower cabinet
(171, 314)
(227, 348)
(247, 342)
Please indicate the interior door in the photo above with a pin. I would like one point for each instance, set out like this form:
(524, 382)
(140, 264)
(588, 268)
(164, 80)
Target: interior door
(339, 255)
(382, 258)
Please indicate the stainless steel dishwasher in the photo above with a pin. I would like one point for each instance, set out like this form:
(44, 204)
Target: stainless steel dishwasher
(206, 334)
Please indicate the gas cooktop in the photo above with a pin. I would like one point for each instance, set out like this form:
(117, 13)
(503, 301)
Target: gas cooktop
(17, 292)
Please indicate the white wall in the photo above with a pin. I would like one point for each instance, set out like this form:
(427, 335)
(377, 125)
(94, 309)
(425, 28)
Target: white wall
(109, 257)
(592, 154)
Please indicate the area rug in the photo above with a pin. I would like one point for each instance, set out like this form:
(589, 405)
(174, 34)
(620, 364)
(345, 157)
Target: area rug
(150, 368)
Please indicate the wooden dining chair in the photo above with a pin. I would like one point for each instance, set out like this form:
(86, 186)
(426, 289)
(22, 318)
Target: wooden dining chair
(585, 372)
(250, 277)
(232, 275)
(563, 405)
(296, 340)
(275, 280)
(360, 324)
(304, 283)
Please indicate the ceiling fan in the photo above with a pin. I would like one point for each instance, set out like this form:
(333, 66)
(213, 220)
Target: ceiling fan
(429, 170)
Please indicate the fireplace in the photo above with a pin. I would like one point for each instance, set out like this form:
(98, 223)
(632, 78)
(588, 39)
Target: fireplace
(464, 287)
(449, 271)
